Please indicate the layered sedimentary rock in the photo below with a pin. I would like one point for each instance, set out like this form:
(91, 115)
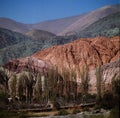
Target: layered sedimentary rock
(90, 51)
(75, 55)
(27, 64)
(110, 71)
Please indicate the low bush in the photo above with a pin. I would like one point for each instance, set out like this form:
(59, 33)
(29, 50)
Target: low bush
(114, 113)
(22, 115)
(62, 112)
(97, 107)
(108, 101)
(75, 111)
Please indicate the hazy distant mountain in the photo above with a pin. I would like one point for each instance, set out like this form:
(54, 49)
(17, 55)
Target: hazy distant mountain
(40, 34)
(13, 25)
(58, 25)
(107, 26)
(8, 38)
(15, 45)
(63, 25)
(90, 18)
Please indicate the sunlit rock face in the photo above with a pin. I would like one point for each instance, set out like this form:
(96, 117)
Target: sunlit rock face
(90, 51)
(75, 55)
(110, 71)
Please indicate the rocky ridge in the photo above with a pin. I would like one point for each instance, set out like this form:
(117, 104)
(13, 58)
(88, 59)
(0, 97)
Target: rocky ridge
(93, 52)
(90, 51)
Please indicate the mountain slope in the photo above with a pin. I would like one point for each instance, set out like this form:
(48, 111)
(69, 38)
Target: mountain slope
(40, 34)
(94, 51)
(90, 18)
(53, 26)
(27, 48)
(107, 26)
(64, 25)
(8, 38)
(58, 25)
(13, 25)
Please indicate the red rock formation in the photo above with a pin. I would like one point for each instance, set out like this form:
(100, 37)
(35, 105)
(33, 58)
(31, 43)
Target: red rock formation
(93, 51)
(27, 64)
(90, 51)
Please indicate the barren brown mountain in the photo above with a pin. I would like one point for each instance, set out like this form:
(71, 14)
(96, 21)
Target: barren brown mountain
(90, 51)
(75, 55)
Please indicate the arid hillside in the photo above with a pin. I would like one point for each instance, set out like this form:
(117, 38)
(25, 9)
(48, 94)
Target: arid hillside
(90, 51)
(74, 56)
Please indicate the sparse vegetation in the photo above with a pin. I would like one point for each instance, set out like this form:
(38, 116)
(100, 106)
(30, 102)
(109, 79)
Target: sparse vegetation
(99, 84)
(115, 113)
(108, 100)
(12, 114)
(62, 112)
(84, 83)
(75, 111)
(29, 46)
(107, 26)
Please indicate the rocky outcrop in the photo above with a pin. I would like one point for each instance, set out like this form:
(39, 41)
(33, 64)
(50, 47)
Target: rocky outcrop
(75, 55)
(110, 71)
(10, 38)
(27, 64)
(93, 52)
(90, 51)
(40, 35)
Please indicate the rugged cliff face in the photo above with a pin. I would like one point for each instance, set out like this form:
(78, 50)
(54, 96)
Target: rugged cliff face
(93, 51)
(110, 71)
(27, 64)
(75, 55)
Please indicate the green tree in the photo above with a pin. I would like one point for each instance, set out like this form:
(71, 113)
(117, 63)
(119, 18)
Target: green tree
(4, 79)
(52, 83)
(66, 78)
(38, 88)
(116, 85)
(116, 89)
(25, 86)
(21, 88)
(29, 83)
(12, 86)
(84, 82)
(99, 74)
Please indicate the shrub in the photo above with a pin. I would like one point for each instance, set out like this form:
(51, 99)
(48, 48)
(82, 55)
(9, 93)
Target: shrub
(91, 98)
(108, 101)
(62, 112)
(114, 113)
(3, 96)
(22, 115)
(116, 86)
(75, 111)
(3, 100)
(97, 106)
(85, 109)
